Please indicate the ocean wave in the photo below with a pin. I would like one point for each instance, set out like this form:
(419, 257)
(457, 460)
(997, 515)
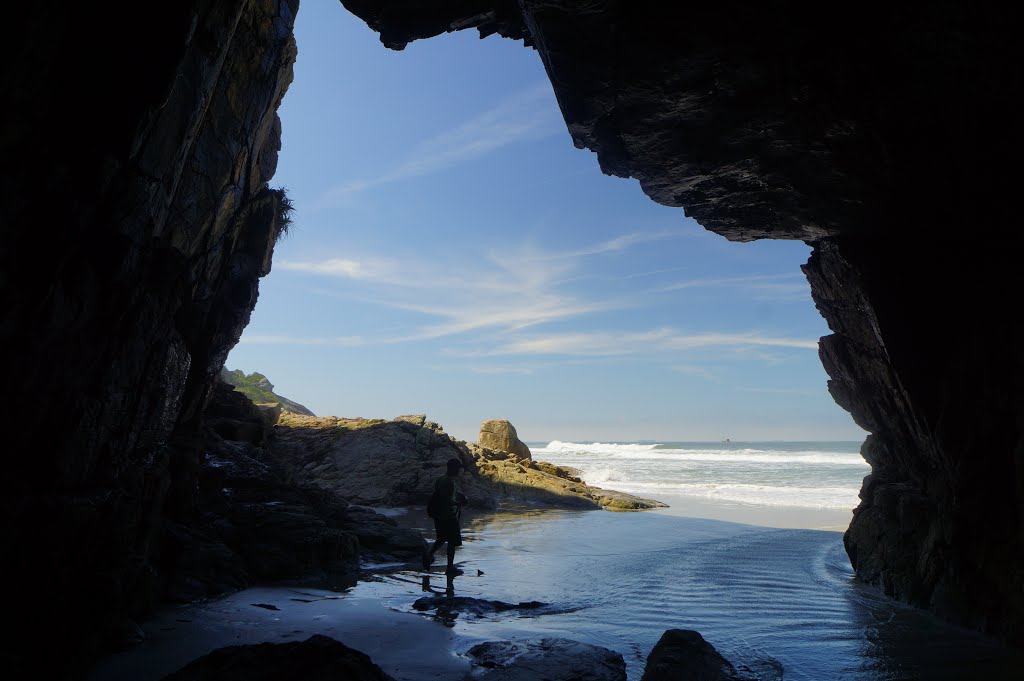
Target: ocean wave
(557, 446)
(745, 493)
(649, 452)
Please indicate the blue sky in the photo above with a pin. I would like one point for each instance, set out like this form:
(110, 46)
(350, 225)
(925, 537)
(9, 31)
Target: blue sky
(453, 253)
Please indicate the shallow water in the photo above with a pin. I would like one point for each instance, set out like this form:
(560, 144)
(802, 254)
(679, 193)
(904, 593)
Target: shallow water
(769, 599)
(781, 602)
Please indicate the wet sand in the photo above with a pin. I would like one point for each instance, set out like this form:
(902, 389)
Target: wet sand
(405, 645)
(791, 517)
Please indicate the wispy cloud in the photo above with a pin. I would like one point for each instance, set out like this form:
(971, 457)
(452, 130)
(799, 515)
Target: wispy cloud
(777, 391)
(751, 338)
(348, 268)
(475, 316)
(346, 341)
(698, 371)
(495, 305)
(606, 343)
(784, 286)
(614, 245)
(502, 293)
(501, 370)
(525, 115)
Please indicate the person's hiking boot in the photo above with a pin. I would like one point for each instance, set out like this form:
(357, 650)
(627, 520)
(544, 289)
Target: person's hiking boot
(453, 571)
(428, 560)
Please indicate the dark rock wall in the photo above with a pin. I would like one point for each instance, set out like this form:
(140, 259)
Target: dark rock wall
(881, 137)
(136, 222)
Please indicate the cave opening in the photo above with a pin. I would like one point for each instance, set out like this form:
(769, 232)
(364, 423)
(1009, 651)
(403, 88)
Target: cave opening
(453, 252)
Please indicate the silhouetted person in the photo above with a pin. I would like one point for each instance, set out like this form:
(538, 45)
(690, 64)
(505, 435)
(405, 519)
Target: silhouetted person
(446, 508)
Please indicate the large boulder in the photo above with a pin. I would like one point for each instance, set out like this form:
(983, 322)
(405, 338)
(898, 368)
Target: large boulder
(684, 655)
(318, 658)
(501, 435)
(552, 659)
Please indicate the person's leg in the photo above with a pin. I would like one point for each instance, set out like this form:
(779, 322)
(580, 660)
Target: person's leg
(428, 557)
(451, 556)
(440, 533)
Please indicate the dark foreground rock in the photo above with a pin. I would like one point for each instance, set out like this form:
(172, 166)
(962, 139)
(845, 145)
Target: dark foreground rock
(318, 658)
(447, 609)
(551, 659)
(476, 606)
(684, 655)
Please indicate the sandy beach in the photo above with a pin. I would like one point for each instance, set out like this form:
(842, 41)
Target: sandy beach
(784, 517)
(769, 599)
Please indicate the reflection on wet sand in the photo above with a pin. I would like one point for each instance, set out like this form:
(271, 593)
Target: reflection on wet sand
(448, 607)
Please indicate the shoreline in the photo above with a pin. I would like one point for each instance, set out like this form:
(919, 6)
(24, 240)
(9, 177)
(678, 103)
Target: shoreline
(782, 517)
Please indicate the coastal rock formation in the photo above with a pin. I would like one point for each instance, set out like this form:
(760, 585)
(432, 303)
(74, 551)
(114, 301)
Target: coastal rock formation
(763, 123)
(253, 524)
(260, 390)
(501, 435)
(532, 481)
(684, 654)
(373, 462)
(318, 658)
(552, 659)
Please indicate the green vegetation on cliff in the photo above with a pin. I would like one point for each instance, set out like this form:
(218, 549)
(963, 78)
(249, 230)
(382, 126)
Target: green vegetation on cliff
(260, 390)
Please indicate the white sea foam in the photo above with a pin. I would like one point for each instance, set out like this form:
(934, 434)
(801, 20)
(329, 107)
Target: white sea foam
(747, 493)
(804, 475)
(597, 447)
(645, 451)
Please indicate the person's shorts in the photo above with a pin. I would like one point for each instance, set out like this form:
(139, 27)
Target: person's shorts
(447, 529)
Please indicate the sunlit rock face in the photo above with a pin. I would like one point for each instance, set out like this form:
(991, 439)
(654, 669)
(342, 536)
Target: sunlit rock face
(136, 222)
(882, 140)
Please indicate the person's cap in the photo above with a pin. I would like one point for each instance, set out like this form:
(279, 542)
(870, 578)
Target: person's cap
(454, 464)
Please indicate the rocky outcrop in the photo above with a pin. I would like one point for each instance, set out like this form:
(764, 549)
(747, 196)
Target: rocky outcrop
(501, 435)
(252, 524)
(260, 390)
(529, 481)
(787, 124)
(318, 658)
(373, 462)
(684, 654)
(553, 659)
